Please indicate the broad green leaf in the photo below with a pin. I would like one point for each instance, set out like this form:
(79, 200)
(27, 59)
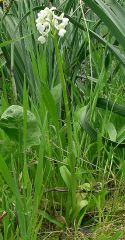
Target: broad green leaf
(79, 114)
(112, 131)
(81, 202)
(121, 135)
(12, 122)
(66, 175)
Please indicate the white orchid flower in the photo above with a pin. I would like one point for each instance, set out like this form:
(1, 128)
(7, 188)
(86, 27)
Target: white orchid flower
(65, 21)
(40, 27)
(42, 14)
(47, 21)
(42, 39)
(62, 32)
(53, 8)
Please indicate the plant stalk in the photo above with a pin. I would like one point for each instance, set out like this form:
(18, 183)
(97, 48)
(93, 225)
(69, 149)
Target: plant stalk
(71, 156)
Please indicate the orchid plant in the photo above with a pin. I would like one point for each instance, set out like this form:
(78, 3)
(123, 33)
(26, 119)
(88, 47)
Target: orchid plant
(49, 23)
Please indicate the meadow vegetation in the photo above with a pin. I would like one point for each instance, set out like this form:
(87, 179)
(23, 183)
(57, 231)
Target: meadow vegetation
(62, 122)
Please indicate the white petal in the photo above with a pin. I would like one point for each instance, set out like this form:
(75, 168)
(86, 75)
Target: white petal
(58, 17)
(40, 20)
(62, 32)
(47, 24)
(37, 20)
(61, 25)
(48, 12)
(40, 27)
(48, 19)
(42, 39)
(65, 21)
(53, 8)
(42, 14)
(61, 16)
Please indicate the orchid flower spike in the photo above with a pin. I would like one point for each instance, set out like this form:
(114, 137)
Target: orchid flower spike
(48, 20)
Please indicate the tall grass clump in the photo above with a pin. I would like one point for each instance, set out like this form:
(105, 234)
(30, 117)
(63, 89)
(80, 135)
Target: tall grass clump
(62, 131)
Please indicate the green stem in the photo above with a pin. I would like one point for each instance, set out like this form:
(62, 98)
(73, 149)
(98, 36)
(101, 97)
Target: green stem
(68, 123)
